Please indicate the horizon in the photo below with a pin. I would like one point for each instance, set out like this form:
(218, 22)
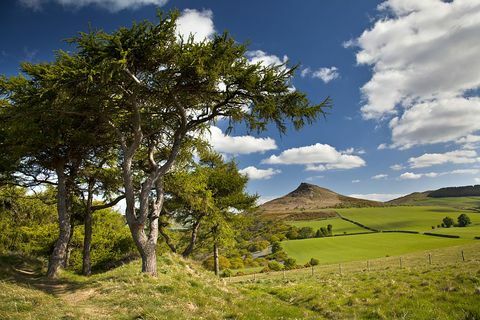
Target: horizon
(406, 112)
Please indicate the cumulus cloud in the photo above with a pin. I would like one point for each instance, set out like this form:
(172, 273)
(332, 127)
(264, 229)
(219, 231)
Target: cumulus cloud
(424, 57)
(457, 157)
(317, 157)
(238, 144)
(197, 23)
(326, 74)
(397, 167)
(111, 5)
(380, 176)
(254, 173)
(415, 176)
(377, 196)
(259, 56)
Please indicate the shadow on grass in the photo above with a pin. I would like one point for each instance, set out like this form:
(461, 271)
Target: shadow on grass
(30, 272)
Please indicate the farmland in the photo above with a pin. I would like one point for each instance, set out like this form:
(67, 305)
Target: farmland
(340, 226)
(365, 246)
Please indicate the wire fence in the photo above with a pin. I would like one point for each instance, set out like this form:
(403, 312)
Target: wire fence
(425, 259)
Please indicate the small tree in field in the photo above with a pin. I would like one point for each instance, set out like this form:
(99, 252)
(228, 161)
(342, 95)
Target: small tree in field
(463, 220)
(448, 222)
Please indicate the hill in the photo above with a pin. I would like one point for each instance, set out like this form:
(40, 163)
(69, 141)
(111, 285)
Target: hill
(458, 197)
(308, 200)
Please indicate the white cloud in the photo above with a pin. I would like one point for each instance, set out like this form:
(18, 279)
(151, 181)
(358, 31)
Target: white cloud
(424, 57)
(264, 199)
(254, 173)
(238, 144)
(397, 167)
(465, 171)
(380, 176)
(457, 157)
(377, 196)
(111, 5)
(469, 142)
(196, 23)
(477, 180)
(317, 157)
(325, 74)
(305, 72)
(436, 122)
(355, 181)
(415, 176)
(382, 146)
(259, 56)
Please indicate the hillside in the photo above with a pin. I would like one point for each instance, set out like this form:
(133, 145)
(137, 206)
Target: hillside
(458, 197)
(308, 200)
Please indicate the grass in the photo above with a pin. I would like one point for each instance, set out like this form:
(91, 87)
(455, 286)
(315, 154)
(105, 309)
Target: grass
(454, 202)
(438, 292)
(364, 246)
(466, 232)
(182, 290)
(340, 226)
(414, 218)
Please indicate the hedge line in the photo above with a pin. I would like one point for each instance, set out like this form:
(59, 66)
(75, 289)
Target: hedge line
(441, 235)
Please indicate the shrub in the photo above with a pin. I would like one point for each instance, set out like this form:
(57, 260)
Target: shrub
(276, 247)
(314, 262)
(463, 220)
(290, 263)
(292, 234)
(306, 232)
(226, 273)
(433, 227)
(236, 263)
(275, 265)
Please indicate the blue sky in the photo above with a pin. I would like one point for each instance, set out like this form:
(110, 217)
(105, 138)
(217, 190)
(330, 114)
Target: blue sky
(404, 77)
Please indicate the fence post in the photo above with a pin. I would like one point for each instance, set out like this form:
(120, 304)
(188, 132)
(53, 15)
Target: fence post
(430, 259)
(340, 268)
(312, 271)
(401, 265)
(463, 256)
(254, 276)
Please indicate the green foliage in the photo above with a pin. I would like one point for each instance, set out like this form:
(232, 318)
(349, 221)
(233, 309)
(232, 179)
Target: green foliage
(314, 262)
(223, 261)
(448, 222)
(463, 220)
(276, 246)
(275, 266)
(290, 263)
(306, 232)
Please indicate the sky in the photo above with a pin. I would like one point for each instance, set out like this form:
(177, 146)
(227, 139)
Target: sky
(403, 75)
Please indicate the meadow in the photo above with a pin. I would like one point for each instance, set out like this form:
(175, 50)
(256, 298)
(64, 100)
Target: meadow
(340, 226)
(412, 218)
(364, 246)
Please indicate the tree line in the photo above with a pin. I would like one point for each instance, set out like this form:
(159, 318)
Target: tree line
(122, 116)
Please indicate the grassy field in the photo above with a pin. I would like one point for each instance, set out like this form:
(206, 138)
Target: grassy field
(463, 203)
(438, 292)
(365, 246)
(414, 218)
(183, 290)
(340, 226)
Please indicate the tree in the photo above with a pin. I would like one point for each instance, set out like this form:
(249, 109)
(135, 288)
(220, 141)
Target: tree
(47, 132)
(448, 222)
(306, 232)
(330, 230)
(159, 90)
(463, 220)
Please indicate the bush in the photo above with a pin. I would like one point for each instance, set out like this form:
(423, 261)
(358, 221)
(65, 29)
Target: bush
(290, 263)
(236, 263)
(314, 262)
(276, 247)
(224, 263)
(226, 273)
(292, 234)
(306, 232)
(433, 227)
(463, 220)
(275, 265)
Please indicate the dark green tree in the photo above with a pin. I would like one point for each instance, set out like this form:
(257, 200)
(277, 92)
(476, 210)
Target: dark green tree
(463, 220)
(448, 222)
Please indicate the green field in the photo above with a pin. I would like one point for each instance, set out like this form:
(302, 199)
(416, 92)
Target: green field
(365, 246)
(340, 226)
(454, 202)
(414, 218)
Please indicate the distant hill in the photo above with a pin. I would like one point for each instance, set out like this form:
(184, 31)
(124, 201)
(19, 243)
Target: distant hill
(448, 192)
(310, 201)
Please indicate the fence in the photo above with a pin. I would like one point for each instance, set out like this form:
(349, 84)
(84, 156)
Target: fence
(433, 258)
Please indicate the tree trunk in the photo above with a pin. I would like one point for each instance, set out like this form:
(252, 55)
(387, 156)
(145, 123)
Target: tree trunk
(64, 216)
(193, 239)
(66, 262)
(87, 239)
(216, 265)
(167, 239)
